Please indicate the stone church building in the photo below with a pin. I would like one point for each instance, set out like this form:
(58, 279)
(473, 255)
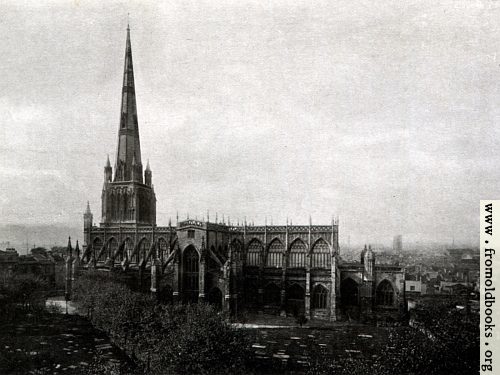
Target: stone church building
(279, 269)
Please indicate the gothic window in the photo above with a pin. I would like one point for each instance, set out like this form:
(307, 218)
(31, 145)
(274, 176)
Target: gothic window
(190, 274)
(162, 249)
(321, 254)
(298, 253)
(275, 254)
(128, 248)
(236, 250)
(191, 233)
(144, 247)
(97, 247)
(254, 255)
(112, 247)
(385, 294)
(319, 297)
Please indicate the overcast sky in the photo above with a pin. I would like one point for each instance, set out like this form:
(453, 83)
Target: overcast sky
(383, 113)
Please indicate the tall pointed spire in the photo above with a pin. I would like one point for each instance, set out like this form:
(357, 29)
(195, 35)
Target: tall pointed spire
(128, 139)
(69, 249)
(132, 205)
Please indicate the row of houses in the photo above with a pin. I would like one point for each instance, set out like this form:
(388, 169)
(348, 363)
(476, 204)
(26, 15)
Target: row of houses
(39, 262)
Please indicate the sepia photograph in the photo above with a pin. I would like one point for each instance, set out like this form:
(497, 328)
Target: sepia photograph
(249, 187)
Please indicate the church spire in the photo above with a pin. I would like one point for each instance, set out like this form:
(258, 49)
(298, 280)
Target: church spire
(129, 147)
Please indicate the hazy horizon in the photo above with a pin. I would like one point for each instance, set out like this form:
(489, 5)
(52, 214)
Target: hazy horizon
(383, 114)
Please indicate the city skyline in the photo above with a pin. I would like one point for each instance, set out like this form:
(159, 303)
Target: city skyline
(386, 120)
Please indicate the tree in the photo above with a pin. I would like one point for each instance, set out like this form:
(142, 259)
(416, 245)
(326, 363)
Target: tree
(193, 339)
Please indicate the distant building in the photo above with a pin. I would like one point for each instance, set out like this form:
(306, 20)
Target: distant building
(450, 287)
(38, 262)
(415, 287)
(397, 244)
(8, 261)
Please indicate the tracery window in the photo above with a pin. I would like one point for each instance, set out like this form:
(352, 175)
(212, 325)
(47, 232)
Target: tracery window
(321, 255)
(254, 255)
(298, 254)
(97, 246)
(112, 247)
(191, 274)
(144, 247)
(275, 254)
(128, 247)
(162, 249)
(320, 297)
(385, 294)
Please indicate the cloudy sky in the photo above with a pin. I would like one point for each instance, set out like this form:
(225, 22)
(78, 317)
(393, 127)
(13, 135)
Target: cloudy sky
(383, 113)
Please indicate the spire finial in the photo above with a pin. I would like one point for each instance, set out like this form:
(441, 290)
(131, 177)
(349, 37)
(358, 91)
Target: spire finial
(128, 21)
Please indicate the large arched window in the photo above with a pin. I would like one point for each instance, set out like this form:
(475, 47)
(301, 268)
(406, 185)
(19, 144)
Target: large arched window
(254, 254)
(321, 254)
(319, 297)
(144, 247)
(298, 254)
(191, 266)
(112, 247)
(275, 254)
(385, 294)
(162, 249)
(96, 247)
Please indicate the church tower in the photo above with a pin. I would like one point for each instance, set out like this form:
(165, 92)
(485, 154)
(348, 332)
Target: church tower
(125, 196)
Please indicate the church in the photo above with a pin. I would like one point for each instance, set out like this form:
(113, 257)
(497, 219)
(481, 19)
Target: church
(275, 269)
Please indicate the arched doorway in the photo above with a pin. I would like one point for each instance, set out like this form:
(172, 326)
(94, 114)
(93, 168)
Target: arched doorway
(295, 296)
(190, 274)
(349, 299)
(385, 294)
(349, 292)
(215, 298)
